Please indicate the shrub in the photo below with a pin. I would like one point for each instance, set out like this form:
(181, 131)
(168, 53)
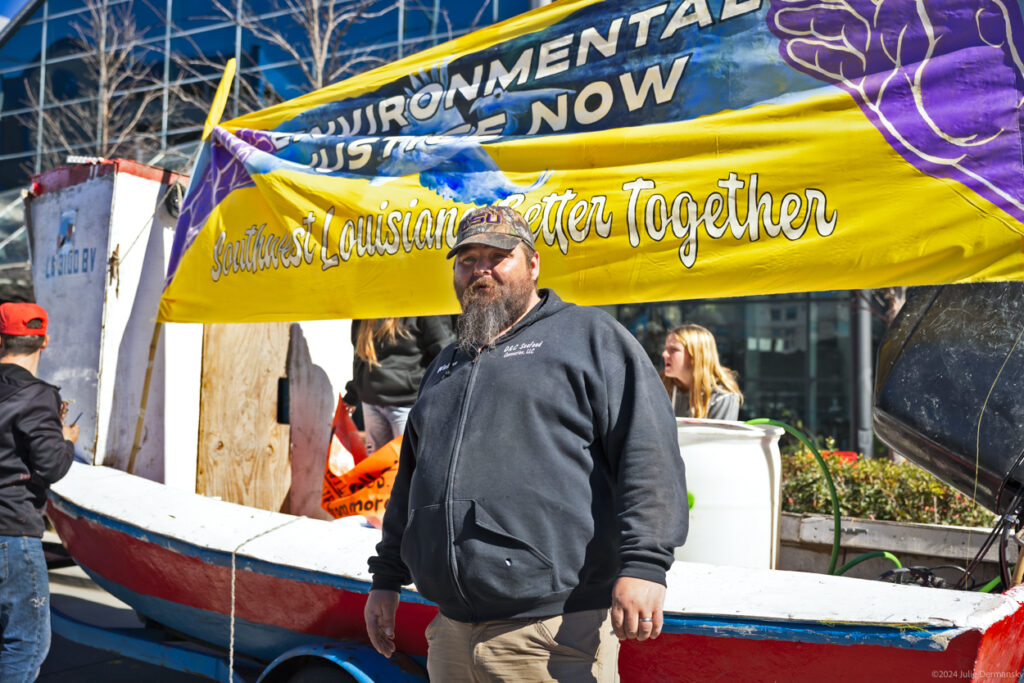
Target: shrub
(875, 489)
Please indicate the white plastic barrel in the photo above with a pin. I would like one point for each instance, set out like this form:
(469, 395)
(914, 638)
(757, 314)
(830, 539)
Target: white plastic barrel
(734, 472)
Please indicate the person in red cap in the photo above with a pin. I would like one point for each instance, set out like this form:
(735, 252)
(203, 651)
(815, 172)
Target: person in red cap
(36, 450)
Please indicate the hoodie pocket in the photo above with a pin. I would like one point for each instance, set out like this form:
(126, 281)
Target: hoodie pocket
(497, 565)
(424, 551)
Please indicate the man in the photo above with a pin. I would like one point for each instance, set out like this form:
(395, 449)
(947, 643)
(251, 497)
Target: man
(540, 491)
(36, 450)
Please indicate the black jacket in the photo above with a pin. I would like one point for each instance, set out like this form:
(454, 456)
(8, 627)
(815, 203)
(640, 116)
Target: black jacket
(536, 473)
(402, 362)
(33, 450)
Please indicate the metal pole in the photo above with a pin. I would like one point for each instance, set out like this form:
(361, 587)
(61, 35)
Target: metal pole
(862, 434)
(811, 378)
(435, 21)
(401, 28)
(166, 96)
(534, 4)
(101, 106)
(42, 89)
(238, 59)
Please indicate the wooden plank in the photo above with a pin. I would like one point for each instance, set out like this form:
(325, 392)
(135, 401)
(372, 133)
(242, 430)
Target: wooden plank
(312, 401)
(243, 451)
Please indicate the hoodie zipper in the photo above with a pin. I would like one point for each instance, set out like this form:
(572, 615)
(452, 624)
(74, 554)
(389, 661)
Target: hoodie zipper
(449, 485)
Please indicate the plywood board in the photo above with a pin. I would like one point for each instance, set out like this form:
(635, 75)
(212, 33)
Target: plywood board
(243, 451)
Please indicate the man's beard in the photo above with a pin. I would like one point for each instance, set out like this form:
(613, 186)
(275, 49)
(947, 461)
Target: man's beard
(487, 313)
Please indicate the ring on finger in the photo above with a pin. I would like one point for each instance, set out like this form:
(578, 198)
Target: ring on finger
(646, 619)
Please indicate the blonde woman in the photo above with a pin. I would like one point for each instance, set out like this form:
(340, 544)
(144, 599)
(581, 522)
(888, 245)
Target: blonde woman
(696, 381)
(391, 355)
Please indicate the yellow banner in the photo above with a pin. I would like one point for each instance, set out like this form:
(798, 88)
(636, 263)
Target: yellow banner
(659, 152)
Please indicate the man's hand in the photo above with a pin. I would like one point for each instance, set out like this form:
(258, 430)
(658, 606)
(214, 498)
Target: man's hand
(381, 606)
(71, 432)
(637, 608)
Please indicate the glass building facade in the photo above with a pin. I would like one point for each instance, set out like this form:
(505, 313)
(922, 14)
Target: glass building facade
(183, 45)
(178, 47)
(792, 353)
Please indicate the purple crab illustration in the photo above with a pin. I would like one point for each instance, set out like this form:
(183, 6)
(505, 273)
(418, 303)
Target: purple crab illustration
(943, 81)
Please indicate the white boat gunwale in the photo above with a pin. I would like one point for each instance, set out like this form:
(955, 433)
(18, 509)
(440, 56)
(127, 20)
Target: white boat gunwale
(758, 597)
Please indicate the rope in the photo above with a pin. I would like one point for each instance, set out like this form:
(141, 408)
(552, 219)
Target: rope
(977, 437)
(231, 624)
(984, 405)
(231, 631)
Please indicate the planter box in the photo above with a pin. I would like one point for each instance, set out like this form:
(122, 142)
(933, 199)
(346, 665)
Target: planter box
(806, 544)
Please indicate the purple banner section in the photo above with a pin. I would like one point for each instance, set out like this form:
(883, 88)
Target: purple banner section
(225, 171)
(942, 80)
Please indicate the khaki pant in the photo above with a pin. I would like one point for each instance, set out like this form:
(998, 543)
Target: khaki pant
(579, 646)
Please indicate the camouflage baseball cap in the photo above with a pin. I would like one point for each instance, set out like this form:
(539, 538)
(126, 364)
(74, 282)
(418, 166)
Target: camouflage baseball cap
(495, 226)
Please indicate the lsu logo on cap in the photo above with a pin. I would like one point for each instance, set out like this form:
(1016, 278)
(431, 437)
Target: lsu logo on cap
(483, 216)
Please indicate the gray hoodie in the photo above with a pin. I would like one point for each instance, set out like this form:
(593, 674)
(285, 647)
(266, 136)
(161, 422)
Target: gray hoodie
(535, 473)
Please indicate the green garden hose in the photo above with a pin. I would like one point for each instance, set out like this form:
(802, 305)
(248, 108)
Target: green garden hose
(987, 588)
(828, 480)
(867, 556)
